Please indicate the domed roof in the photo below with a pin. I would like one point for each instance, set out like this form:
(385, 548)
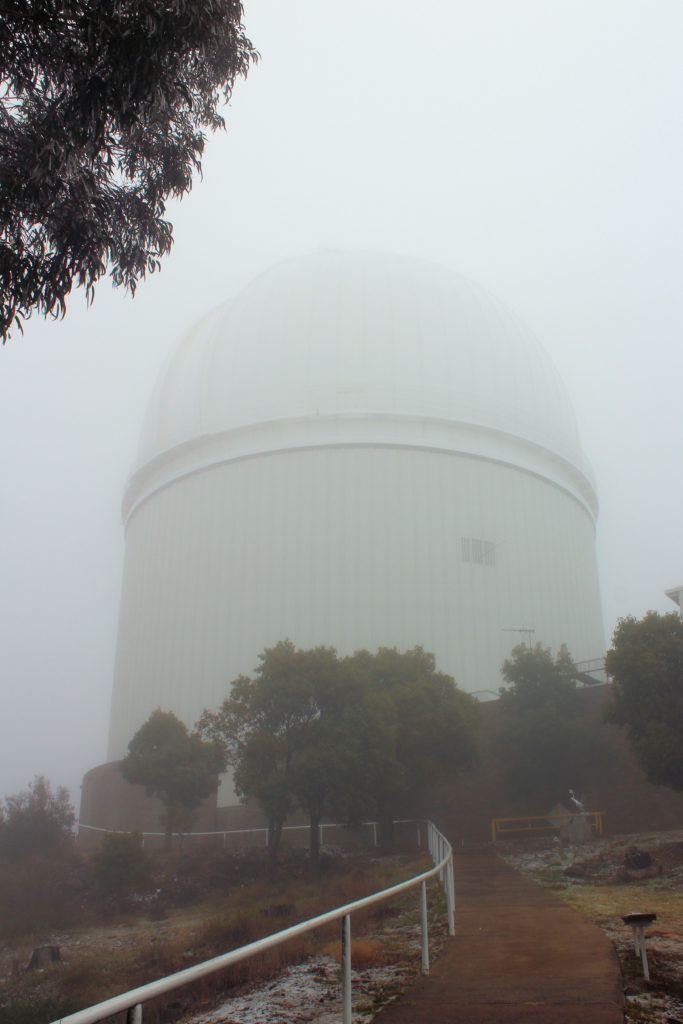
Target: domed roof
(339, 335)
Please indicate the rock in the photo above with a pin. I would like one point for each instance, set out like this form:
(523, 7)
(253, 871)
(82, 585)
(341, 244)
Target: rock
(620, 877)
(623, 874)
(637, 859)
(580, 870)
(653, 871)
(43, 955)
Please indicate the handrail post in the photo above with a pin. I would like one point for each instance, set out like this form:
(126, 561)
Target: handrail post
(424, 927)
(134, 1014)
(346, 969)
(450, 897)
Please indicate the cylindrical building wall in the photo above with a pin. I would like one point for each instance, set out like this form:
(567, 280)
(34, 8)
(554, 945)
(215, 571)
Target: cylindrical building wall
(353, 547)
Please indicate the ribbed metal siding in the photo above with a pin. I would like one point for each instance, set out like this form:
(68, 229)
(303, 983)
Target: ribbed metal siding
(353, 547)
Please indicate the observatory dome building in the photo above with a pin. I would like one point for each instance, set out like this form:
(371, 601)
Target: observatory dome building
(361, 451)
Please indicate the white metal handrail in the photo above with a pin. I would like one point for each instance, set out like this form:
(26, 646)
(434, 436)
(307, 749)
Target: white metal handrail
(442, 855)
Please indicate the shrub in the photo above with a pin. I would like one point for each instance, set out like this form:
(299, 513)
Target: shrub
(121, 863)
(36, 820)
(42, 893)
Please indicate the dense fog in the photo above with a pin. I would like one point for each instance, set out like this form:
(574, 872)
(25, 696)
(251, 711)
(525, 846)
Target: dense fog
(535, 148)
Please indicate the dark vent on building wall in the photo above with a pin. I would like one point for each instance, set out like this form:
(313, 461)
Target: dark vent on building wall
(478, 551)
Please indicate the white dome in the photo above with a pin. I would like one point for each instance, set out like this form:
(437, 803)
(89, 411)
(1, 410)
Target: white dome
(341, 347)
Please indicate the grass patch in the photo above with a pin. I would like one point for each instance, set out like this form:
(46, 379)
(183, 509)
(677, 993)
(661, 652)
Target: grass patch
(606, 904)
(365, 952)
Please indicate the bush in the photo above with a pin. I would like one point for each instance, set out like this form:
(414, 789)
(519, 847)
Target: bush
(544, 743)
(36, 820)
(38, 894)
(121, 864)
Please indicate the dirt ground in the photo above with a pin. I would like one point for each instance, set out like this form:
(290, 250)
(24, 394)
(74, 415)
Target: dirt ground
(603, 879)
(385, 960)
(613, 876)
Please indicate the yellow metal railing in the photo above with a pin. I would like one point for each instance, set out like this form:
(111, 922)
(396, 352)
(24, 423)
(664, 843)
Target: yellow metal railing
(501, 827)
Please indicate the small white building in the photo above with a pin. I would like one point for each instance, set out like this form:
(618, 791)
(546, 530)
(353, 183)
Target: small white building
(358, 450)
(676, 595)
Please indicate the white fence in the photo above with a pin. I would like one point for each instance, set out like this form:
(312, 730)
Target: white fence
(442, 855)
(225, 835)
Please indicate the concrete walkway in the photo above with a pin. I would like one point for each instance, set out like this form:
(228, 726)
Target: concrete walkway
(519, 954)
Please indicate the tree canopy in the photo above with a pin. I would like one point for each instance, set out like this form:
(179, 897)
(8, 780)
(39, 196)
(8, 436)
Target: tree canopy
(36, 821)
(121, 863)
(176, 766)
(646, 666)
(104, 108)
(543, 741)
(296, 736)
(341, 736)
(433, 727)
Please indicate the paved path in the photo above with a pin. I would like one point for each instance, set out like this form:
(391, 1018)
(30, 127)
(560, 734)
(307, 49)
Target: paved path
(520, 954)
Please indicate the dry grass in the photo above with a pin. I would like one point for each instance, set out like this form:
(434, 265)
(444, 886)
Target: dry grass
(365, 952)
(606, 904)
(102, 961)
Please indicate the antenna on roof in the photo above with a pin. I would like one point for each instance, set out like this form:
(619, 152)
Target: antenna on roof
(512, 629)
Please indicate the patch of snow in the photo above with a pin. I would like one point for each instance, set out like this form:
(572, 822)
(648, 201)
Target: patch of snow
(306, 993)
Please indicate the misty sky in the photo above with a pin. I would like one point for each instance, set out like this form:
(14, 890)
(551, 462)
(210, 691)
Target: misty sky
(534, 146)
